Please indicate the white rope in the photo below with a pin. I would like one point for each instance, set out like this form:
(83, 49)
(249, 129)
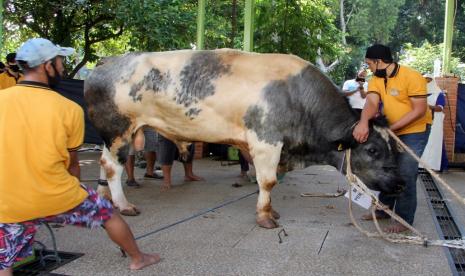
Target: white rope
(427, 167)
(419, 238)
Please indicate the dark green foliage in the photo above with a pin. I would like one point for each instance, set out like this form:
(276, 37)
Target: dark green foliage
(296, 27)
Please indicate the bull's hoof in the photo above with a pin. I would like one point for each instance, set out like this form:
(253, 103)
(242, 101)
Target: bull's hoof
(130, 212)
(267, 223)
(275, 214)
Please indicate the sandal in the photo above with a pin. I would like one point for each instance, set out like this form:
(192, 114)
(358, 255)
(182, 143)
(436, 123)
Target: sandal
(154, 176)
(132, 183)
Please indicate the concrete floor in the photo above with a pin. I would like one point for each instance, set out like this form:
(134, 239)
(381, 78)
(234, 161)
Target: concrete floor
(320, 241)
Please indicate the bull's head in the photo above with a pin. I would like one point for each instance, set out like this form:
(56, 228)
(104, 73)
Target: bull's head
(375, 161)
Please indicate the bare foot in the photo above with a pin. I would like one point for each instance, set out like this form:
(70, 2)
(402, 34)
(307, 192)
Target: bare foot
(378, 216)
(193, 177)
(147, 259)
(165, 187)
(395, 228)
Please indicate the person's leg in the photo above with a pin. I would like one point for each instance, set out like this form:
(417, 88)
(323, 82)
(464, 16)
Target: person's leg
(150, 149)
(150, 157)
(189, 173)
(166, 169)
(96, 211)
(167, 151)
(119, 232)
(129, 166)
(188, 166)
(406, 202)
(6, 272)
(16, 240)
(244, 165)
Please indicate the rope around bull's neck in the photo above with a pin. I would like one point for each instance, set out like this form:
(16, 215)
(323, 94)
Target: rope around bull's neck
(419, 239)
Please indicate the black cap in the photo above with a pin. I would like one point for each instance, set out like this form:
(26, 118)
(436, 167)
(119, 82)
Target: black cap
(11, 58)
(378, 51)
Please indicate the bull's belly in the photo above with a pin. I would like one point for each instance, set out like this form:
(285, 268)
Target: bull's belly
(198, 130)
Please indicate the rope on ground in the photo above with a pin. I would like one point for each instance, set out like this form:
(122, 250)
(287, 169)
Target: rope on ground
(419, 238)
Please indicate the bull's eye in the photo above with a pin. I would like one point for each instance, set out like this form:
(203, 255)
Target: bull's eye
(372, 151)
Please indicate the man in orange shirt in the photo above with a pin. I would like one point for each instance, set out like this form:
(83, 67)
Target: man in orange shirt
(39, 167)
(12, 74)
(402, 91)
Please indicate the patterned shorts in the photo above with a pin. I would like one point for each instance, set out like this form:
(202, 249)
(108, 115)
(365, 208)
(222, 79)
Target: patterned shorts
(16, 239)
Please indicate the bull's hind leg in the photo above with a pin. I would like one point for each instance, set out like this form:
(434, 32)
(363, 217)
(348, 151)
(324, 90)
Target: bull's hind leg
(113, 166)
(266, 159)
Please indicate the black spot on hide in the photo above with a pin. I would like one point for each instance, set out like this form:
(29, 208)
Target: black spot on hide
(304, 109)
(99, 92)
(154, 80)
(123, 154)
(197, 79)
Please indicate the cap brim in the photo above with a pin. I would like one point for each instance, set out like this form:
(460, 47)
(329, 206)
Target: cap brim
(65, 51)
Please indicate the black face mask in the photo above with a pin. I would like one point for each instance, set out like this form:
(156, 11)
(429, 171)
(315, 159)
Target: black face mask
(380, 73)
(55, 80)
(14, 68)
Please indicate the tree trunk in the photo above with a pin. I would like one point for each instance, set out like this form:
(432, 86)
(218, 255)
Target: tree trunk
(319, 60)
(343, 22)
(233, 23)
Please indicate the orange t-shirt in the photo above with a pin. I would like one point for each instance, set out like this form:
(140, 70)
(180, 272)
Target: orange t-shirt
(38, 128)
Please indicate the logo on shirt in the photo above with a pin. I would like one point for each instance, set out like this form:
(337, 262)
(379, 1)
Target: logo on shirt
(394, 92)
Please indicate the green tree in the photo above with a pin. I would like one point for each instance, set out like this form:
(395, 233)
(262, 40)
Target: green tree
(422, 58)
(224, 25)
(159, 25)
(67, 22)
(296, 27)
(362, 22)
(421, 21)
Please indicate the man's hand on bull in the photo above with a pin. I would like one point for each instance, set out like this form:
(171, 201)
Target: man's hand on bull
(361, 131)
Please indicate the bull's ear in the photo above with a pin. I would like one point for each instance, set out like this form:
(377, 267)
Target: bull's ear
(380, 121)
(345, 143)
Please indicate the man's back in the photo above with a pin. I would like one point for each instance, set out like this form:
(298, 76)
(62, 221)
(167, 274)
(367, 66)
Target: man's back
(38, 127)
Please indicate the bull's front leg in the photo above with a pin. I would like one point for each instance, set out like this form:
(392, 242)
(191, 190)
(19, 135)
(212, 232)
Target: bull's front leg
(102, 188)
(114, 170)
(266, 159)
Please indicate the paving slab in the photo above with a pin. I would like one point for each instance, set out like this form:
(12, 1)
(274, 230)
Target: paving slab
(320, 241)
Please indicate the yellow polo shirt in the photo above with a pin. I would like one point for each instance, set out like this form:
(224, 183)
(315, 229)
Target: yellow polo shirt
(38, 127)
(396, 96)
(7, 80)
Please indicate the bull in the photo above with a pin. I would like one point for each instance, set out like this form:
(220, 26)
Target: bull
(279, 108)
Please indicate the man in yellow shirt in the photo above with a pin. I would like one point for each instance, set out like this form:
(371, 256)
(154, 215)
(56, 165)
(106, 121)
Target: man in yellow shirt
(402, 91)
(40, 132)
(11, 74)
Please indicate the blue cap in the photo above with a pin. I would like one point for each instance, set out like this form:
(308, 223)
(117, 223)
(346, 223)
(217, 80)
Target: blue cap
(36, 51)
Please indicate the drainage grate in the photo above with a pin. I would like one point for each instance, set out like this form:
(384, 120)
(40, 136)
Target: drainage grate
(445, 223)
(47, 264)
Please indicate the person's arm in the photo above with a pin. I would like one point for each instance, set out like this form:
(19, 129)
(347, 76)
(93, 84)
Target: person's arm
(440, 103)
(419, 107)
(74, 168)
(361, 130)
(348, 94)
(362, 92)
(436, 108)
